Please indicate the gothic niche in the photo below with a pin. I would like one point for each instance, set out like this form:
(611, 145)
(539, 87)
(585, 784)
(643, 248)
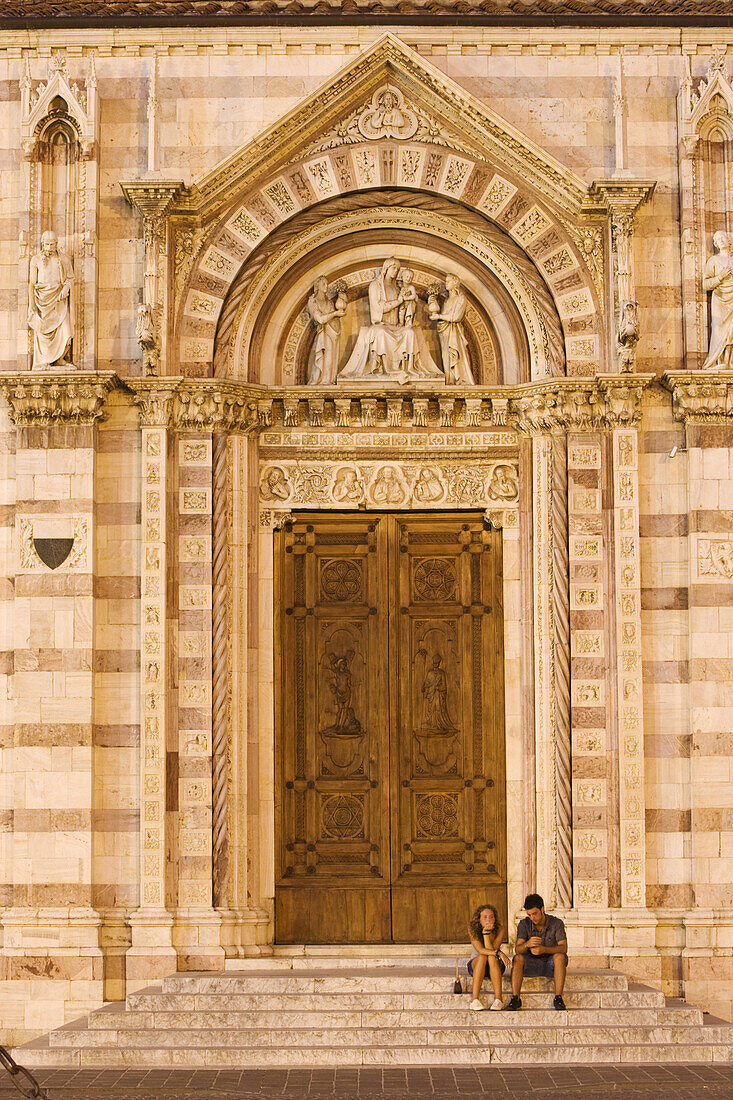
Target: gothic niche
(393, 323)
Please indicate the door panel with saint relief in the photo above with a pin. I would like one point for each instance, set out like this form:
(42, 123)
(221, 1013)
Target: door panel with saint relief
(390, 762)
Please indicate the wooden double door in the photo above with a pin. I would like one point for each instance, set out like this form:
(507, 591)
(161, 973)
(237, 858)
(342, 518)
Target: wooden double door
(390, 779)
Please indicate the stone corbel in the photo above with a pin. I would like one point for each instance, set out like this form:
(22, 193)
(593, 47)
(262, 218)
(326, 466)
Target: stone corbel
(152, 198)
(622, 198)
(154, 399)
(701, 398)
(57, 397)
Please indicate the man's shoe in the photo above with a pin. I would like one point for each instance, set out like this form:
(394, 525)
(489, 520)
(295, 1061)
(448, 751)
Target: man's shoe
(476, 1006)
(514, 1005)
(559, 1003)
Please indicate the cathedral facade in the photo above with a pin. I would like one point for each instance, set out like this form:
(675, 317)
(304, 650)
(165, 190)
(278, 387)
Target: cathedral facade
(367, 490)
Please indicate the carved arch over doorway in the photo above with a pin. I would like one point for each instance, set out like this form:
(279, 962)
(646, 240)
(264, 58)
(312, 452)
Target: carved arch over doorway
(459, 150)
(269, 293)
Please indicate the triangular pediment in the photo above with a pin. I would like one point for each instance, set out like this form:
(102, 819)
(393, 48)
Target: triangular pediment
(430, 108)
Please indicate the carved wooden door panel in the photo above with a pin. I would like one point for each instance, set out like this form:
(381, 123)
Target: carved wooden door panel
(446, 716)
(390, 761)
(332, 882)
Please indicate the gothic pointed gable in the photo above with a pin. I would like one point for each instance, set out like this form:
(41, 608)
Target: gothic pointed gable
(446, 115)
(389, 119)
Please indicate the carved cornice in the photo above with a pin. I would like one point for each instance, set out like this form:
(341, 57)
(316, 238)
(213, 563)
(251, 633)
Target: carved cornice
(151, 196)
(196, 404)
(551, 405)
(622, 197)
(701, 397)
(57, 397)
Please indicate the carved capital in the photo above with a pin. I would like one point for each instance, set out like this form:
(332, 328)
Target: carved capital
(57, 397)
(196, 404)
(212, 406)
(154, 397)
(578, 405)
(152, 197)
(622, 398)
(699, 398)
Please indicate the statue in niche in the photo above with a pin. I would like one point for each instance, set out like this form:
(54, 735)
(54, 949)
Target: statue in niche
(453, 344)
(326, 311)
(51, 308)
(718, 278)
(387, 349)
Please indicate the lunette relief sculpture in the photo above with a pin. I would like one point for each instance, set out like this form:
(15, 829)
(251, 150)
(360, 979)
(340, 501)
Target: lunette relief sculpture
(51, 309)
(385, 348)
(718, 278)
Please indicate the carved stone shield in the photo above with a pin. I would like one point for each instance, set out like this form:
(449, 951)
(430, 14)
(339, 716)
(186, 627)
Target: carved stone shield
(53, 552)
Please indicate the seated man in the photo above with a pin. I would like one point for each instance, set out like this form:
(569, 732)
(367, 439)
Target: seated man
(541, 951)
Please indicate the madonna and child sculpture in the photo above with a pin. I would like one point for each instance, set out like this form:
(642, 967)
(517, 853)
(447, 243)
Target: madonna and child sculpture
(393, 346)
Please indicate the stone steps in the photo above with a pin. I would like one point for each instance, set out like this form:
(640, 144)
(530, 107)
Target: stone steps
(397, 1012)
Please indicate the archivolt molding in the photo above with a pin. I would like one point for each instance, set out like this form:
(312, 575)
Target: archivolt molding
(472, 234)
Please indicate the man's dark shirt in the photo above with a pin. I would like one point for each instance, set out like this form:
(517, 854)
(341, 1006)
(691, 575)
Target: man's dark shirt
(551, 935)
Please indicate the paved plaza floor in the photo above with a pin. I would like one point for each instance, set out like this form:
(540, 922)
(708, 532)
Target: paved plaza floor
(607, 1082)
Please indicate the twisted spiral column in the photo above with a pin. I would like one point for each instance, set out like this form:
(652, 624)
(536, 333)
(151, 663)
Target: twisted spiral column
(220, 669)
(561, 616)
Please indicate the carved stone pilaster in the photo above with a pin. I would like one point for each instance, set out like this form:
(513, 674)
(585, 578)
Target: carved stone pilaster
(701, 398)
(152, 198)
(623, 197)
(57, 397)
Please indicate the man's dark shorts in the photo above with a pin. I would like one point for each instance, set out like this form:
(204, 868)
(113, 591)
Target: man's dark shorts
(540, 966)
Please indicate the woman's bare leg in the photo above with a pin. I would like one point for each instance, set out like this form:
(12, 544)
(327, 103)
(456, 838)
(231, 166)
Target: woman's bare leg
(479, 969)
(495, 975)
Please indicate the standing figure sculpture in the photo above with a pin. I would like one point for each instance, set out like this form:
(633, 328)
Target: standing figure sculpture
(453, 343)
(718, 278)
(435, 716)
(326, 314)
(51, 307)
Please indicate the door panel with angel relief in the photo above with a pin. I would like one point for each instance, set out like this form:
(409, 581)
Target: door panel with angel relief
(390, 769)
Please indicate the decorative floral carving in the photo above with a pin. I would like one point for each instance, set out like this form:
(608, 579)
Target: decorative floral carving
(58, 397)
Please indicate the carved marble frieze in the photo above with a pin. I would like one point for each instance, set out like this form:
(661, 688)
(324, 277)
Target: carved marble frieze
(701, 398)
(57, 397)
(379, 484)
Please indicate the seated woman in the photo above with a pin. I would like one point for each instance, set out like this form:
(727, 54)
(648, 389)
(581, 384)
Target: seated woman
(487, 936)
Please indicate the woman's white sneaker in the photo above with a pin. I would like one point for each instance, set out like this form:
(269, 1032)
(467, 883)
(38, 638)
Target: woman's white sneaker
(476, 1006)
(497, 1006)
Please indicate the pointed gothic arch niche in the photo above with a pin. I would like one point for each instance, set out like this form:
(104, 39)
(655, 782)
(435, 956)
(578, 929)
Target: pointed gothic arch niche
(264, 333)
